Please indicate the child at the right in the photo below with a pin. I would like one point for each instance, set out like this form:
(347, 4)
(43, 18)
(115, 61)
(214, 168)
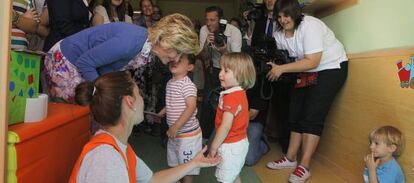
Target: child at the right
(237, 74)
(386, 144)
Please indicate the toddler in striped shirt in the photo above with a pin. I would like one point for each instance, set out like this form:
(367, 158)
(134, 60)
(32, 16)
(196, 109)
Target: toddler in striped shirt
(184, 132)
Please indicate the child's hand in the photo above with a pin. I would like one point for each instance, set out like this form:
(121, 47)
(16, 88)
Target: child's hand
(371, 162)
(172, 132)
(212, 153)
(203, 161)
(32, 14)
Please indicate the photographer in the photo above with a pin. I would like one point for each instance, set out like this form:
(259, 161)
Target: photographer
(322, 69)
(216, 39)
(260, 20)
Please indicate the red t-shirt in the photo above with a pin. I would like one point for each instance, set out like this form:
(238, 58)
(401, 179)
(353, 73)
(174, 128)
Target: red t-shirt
(235, 103)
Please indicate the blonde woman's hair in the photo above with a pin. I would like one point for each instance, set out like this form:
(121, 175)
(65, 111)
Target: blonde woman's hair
(390, 136)
(242, 66)
(176, 32)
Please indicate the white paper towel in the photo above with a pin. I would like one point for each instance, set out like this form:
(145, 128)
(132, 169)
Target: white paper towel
(36, 109)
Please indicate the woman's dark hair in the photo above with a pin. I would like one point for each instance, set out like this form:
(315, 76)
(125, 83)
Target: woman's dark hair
(129, 9)
(197, 25)
(120, 10)
(91, 6)
(106, 101)
(290, 8)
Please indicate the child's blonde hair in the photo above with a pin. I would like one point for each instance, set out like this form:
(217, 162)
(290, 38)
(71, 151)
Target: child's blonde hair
(390, 136)
(242, 66)
(176, 32)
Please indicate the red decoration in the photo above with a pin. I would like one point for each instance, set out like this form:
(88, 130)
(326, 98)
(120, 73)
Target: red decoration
(30, 79)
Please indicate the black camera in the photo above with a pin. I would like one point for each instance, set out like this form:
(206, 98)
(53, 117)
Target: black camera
(266, 51)
(256, 11)
(219, 38)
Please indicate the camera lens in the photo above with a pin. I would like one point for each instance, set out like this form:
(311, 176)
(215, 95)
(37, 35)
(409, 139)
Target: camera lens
(219, 38)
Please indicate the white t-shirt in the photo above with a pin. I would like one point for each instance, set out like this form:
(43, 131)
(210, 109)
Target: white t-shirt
(104, 164)
(100, 10)
(234, 41)
(313, 36)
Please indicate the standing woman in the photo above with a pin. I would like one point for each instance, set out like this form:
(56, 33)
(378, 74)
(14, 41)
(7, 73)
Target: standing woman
(110, 11)
(111, 47)
(66, 17)
(321, 64)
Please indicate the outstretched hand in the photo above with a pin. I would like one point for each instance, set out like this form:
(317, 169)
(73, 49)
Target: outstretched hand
(201, 161)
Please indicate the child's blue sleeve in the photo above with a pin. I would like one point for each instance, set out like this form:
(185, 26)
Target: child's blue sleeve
(390, 178)
(393, 175)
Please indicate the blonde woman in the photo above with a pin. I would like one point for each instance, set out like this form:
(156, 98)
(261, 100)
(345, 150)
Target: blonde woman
(111, 47)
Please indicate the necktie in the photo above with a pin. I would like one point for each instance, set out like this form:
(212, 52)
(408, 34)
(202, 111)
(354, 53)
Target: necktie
(269, 32)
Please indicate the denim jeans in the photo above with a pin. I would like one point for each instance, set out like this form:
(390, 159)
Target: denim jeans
(257, 146)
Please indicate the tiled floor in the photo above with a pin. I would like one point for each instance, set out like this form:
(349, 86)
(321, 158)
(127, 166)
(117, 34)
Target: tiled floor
(319, 173)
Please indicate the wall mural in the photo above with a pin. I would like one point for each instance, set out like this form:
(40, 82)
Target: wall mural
(406, 74)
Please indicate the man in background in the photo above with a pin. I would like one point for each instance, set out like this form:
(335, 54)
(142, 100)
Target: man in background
(210, 56)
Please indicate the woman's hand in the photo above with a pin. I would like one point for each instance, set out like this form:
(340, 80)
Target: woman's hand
(275, 72)
(201, 161)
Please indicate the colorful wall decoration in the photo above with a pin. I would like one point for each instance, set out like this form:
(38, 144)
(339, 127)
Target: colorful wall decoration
(23, 83)
(406, 74)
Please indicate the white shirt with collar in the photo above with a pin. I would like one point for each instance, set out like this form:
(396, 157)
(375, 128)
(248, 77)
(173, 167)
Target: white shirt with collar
(230, 90)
